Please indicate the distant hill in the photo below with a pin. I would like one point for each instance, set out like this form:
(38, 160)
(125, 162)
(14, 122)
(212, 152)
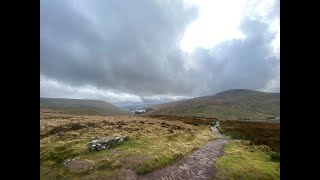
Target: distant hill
(80, 106)
(235, 104)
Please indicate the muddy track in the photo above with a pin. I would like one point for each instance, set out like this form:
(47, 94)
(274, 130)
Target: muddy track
(197, 165)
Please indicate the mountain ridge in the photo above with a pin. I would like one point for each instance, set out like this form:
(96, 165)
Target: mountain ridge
(234, 104)
(81, 106)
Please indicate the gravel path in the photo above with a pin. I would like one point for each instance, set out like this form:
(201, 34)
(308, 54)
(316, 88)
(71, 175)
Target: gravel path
(197, 165)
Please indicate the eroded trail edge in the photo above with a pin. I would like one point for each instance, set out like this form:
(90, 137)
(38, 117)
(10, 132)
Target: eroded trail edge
(197, 165)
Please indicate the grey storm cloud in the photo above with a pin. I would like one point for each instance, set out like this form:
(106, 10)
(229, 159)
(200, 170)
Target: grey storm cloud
(247, 63)
(130, 47)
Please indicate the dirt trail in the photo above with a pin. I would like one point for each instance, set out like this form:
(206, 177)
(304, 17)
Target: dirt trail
(197, 165)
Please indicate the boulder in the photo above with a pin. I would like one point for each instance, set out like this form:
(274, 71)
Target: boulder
(105, 142)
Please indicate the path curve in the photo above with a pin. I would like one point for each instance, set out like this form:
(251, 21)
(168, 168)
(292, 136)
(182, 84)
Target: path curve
(197, 165)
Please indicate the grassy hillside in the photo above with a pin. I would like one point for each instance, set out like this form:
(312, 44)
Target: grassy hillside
(236, 104)
(152, 144)
(80, 107)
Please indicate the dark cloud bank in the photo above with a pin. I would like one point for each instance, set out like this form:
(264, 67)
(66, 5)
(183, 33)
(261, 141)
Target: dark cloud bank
(131, 49)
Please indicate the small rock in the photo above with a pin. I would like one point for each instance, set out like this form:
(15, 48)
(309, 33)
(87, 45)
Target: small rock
(105, 142)
(184, 167)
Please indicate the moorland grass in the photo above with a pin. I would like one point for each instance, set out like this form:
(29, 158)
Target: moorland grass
(151, 144)
(258, 132)
(244, 161)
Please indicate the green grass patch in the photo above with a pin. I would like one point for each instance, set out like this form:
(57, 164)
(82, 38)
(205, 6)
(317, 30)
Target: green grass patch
(244, 161)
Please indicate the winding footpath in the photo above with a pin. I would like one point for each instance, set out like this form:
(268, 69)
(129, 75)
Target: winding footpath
(197, 165)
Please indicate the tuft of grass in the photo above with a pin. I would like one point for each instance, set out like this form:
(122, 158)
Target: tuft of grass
(244, 161)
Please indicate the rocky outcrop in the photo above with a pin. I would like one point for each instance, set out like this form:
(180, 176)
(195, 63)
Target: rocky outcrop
(105, 142)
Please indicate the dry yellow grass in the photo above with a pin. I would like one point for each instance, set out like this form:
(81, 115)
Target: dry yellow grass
(151, 144)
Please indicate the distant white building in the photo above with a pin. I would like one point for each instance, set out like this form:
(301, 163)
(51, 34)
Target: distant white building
(139, 111)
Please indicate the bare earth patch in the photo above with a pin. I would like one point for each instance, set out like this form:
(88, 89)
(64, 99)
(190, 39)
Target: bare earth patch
(77, 166)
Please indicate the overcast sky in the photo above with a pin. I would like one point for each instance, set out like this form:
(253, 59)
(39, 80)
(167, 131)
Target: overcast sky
(155, 50)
